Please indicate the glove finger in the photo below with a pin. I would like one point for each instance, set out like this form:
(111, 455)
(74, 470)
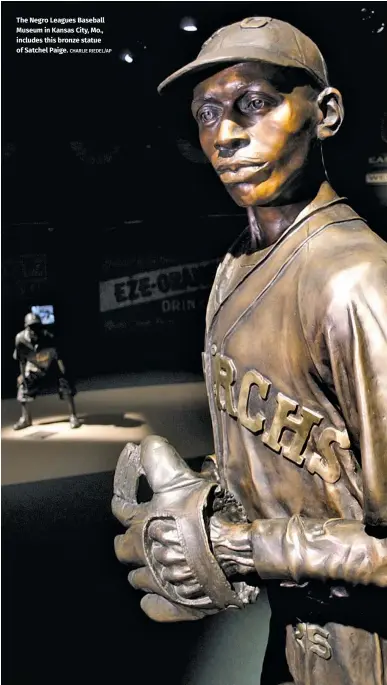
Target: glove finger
(128, 470)
(163, 466)
(125, 511)
(162, 610)
(168, 555)
(164, 531)
(190, 590)
(142, 579)
(129, 547)
(177, 574)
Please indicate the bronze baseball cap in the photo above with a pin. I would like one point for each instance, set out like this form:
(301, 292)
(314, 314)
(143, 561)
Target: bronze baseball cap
(31, 319)
(257, 39)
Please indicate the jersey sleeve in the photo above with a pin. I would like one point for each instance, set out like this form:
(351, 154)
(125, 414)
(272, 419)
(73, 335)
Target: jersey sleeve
(356, 342)
(336, 550)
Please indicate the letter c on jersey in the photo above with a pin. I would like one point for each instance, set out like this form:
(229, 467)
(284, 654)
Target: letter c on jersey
(252, 378)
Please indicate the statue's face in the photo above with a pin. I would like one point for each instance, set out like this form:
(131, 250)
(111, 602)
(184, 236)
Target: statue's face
(256, 132)
(35, 330)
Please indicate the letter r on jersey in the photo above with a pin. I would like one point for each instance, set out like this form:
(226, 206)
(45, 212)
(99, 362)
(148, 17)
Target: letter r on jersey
(225, 376)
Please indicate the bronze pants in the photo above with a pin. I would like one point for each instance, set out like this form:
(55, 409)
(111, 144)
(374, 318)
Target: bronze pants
(318, 642)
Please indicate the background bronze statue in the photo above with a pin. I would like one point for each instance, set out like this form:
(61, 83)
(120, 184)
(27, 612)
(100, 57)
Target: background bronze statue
(40, 365)
(296, 369)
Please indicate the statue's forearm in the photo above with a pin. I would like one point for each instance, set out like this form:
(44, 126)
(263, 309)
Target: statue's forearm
(302, 549)
(22, 367)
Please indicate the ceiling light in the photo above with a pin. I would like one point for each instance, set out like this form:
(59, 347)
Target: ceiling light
(126, 56)
(188, 24)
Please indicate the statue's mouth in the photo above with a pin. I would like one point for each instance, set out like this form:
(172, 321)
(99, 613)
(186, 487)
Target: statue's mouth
(240, 173)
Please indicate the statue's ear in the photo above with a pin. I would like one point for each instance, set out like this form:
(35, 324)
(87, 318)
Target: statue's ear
(331, 113)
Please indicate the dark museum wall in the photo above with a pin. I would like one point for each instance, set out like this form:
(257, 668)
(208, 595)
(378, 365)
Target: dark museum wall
(101, 185)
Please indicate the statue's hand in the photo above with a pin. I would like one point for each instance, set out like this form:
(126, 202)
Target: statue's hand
(167, 538)
(166, 550)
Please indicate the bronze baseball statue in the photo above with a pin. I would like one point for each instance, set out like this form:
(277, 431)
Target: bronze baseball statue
(295, 362)
(36, 350)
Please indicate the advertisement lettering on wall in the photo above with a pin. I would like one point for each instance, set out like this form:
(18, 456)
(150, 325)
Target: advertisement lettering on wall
(156, 297)
(26, 275)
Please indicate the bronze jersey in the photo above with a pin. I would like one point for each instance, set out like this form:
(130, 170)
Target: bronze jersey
(37, 355)
(296, 369)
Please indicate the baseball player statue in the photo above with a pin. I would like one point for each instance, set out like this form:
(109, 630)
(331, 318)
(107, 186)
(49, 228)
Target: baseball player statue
(295, 360)
(37, 354)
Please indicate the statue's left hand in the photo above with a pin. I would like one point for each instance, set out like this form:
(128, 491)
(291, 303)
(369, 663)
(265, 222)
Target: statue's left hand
(166, 550)
(167, 538)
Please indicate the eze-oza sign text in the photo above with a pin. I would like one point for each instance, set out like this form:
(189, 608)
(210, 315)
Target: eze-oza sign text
(158, 284)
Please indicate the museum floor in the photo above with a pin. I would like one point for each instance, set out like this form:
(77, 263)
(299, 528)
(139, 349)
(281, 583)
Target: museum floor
(70, 614)
(114, 411)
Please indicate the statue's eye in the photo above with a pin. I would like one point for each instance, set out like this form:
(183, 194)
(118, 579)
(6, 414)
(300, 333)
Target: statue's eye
(252, 103)
(256, 104)
(207, 114)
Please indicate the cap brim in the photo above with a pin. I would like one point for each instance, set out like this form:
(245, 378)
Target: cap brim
(233, 57)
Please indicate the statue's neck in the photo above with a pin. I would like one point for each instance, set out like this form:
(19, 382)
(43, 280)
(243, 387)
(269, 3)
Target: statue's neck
(268, 223)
